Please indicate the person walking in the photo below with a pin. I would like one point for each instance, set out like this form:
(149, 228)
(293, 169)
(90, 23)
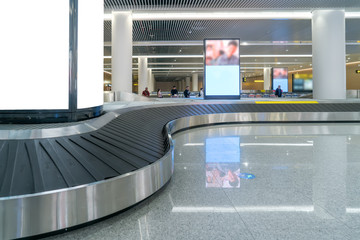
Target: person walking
(201, 92)
(187, 92)
(159, 94)
(174, 92)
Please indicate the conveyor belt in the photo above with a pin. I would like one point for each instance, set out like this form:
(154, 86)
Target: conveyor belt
(133, 140)
(53, 183)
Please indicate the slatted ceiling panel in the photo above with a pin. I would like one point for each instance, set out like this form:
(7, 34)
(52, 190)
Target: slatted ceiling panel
(113, 5)
(197, 30)
(107, 31)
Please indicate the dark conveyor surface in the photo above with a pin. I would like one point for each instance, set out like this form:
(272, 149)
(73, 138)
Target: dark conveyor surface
(133, 140)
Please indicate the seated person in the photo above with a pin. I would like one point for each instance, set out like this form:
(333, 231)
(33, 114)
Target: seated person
(146, 92)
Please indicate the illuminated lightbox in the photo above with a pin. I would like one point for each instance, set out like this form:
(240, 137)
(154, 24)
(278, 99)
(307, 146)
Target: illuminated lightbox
(90, 54)
(222, 68)
(280, 78)
(34, 47)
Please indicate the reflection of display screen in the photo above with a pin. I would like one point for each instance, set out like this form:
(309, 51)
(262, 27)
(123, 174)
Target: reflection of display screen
(298, 84)
(222, 68)
(308, 85)
(280, 77)
(223, 162)
(225, 149)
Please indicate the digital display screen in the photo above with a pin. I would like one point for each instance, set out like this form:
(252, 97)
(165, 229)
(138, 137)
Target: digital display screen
(222, 68)
(302, 83)
(223, 162)
(280, 78)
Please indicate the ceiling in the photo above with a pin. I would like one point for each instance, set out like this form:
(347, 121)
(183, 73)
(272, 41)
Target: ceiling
(115, 5)
(258, 37)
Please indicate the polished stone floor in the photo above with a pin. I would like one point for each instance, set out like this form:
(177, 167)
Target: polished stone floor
(259, 181)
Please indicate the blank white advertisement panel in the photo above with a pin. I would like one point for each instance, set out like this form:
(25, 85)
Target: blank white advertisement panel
(34, 54)
(90, 53)
(222, 68)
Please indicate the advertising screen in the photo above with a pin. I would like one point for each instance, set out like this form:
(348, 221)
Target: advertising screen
(280, 77)
(222, 68)
(34, 62)
(302, 83)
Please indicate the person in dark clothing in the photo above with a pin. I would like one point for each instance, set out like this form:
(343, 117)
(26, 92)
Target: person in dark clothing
(278, 91)
(174, 92)
(187, 92)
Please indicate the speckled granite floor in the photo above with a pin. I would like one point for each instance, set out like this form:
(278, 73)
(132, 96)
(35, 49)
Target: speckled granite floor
(259, 181)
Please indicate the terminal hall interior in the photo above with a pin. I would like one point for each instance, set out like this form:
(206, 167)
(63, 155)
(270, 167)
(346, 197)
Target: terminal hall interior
(180, 119)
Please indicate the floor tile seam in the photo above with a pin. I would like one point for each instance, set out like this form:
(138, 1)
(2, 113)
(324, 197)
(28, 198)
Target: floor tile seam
(325, 209)
(238, 213)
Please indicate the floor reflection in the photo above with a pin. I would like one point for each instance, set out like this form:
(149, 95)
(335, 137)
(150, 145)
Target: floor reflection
(306, 187)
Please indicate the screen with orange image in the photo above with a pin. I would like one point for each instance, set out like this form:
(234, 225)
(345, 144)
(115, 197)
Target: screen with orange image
(280, 78)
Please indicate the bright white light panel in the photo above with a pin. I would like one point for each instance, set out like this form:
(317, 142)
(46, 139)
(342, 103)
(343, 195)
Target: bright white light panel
(90, 53)
(34, 54)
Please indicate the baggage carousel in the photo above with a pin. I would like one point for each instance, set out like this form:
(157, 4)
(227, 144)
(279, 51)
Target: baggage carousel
(58, 178)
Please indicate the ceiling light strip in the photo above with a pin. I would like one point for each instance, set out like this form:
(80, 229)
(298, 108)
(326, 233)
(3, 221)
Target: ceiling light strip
(230, 15)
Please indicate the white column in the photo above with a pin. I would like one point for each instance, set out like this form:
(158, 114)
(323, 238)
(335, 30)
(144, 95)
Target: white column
(153, 82)
(143, 74)
(149, 80)
(195, 82)
(328, 49)
(187, 81)
(267, 77)
(180, 85)
(121, 51)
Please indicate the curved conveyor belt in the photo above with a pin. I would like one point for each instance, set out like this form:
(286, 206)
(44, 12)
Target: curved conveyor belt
(55, 183)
